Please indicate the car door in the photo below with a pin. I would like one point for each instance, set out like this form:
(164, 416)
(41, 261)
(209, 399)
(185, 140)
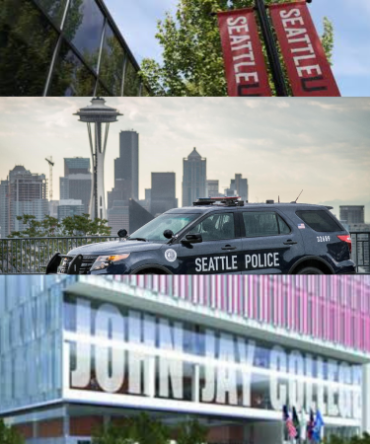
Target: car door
(220, 250)
(270, 244)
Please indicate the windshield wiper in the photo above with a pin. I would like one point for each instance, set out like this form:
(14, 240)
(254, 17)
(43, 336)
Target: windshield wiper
(141, 239)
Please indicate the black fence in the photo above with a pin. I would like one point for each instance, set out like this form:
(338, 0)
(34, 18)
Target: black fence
(361, 251)
(31, 255)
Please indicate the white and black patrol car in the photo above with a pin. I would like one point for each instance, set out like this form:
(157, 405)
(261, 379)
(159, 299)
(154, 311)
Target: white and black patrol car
(222, 235)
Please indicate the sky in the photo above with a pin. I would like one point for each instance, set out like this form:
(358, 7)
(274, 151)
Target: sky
(282, 146)
(137, 20)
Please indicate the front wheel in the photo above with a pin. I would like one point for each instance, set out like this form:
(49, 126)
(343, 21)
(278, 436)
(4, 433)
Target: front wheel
(310, 270)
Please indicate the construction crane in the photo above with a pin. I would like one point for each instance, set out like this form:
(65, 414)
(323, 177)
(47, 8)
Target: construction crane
(51, 164)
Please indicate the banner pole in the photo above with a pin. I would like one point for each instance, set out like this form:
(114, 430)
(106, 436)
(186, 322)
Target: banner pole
(272, 52)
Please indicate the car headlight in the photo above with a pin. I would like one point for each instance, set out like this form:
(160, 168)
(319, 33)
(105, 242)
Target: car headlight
(103, 262)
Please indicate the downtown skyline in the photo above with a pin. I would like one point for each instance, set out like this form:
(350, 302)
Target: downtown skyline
(320, 145)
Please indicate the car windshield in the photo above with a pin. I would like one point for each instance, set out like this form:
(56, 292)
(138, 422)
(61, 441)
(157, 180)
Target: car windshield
(153, 231)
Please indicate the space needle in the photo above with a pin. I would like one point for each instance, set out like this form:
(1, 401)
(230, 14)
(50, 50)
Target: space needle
(98, 117)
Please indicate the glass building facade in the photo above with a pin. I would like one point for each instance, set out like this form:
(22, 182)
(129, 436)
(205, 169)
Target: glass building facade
(64, 48)
(101, 349)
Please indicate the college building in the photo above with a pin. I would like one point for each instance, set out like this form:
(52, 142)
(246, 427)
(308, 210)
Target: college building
(79, 352)
(64, 48)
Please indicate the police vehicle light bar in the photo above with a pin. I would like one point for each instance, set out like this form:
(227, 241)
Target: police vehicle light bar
(231, 201)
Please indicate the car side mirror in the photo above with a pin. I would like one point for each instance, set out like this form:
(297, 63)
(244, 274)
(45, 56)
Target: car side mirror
(122, 233)
(168, 234)
(193, 239)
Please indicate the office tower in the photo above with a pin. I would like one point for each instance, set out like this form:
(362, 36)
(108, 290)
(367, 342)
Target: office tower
(53, 208)
(212, 188)
(139, 216)
(76, 165)
(194, 184)
(352, 214)
(148, 194)
(75, 47)
(126, 166)
(121, 192)
(22, 193)
(77, 180)
(98, 117)
(240, 186)
(70, 208)
(4, 213)
(118, 217)
(163, 193)
(230, 192)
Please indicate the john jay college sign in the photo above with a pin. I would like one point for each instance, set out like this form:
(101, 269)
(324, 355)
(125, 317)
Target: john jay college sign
(125, 353)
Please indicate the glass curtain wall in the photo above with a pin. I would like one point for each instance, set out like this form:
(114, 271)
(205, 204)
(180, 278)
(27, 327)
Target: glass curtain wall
(64, 48)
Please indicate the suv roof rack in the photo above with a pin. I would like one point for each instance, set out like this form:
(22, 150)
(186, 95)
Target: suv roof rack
(233, 201)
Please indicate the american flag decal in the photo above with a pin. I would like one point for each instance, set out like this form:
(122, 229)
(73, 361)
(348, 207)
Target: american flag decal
(301, 226)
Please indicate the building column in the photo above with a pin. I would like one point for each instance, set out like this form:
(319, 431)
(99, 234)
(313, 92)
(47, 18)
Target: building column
(366, 398)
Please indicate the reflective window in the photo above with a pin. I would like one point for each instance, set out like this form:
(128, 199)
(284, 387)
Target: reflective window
(219, 226)
(320, 221)
(27, 42)
(71, 77)
(84, 27)
(103, 92)
(264, 223)
(132, 81)
(54, 8)
(111, 67)
(154, 229)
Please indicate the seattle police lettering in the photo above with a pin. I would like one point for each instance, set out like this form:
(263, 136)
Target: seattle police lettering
(215, 264)
(260, 261)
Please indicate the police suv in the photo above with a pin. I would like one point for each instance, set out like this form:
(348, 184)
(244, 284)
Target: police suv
(222, 235)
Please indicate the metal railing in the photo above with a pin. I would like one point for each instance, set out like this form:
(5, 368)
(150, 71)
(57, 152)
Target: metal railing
(361, 251)
(31, 255)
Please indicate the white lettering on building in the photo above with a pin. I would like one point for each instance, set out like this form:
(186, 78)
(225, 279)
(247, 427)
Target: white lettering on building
(116, 354)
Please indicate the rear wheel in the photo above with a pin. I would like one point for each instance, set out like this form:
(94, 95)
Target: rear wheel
(310, 270)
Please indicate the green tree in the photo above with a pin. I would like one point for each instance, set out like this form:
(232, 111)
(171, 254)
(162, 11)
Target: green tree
(84, 226)
(8, 435)
(192, 433)
(140, 429)
(23, 255)
(192, 56)
(333, 439)
(69, 226)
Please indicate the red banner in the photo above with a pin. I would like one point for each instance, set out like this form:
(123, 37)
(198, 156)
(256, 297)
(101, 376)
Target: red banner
(308, 68)
(245, 65)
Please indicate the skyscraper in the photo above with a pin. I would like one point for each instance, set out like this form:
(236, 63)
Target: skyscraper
(4, 213)
(139, 216)
(22, 193)
(163, 193)
(240, 186)
(76, 165)
(194, 184)
(76, 183)
(70, 208)
(352, 214)
(126, 166)
(118, 217)
(212, 188)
